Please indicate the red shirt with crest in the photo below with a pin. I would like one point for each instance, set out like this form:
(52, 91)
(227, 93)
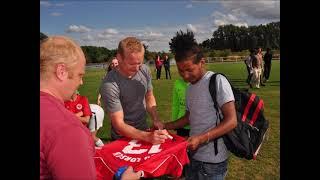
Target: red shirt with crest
(80, 104)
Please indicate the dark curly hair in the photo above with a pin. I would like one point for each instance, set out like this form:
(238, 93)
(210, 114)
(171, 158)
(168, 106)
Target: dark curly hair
(184, 47)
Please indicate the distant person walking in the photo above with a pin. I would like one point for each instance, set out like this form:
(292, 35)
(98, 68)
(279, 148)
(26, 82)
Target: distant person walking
(256, 69)
(166, 64)
(267, 64)
(158, 64)
(260, 58)
(248, 63)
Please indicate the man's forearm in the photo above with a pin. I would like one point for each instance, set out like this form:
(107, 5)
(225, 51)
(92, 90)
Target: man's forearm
(127, 130)
(179, 123)
(131, 132)
(152, 106)
(153, 113)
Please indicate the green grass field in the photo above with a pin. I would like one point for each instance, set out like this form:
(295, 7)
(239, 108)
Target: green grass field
(267, 164)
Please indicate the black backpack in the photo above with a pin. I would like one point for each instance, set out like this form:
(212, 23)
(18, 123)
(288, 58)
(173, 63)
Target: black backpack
(246, 138)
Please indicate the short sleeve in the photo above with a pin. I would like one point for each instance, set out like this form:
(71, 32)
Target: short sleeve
(224, 91)
(145, 70)
(110, 95)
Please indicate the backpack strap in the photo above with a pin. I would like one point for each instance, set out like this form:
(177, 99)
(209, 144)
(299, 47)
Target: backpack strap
(213, 93)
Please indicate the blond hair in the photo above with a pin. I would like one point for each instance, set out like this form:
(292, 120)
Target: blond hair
(55, 50)
(130, 44)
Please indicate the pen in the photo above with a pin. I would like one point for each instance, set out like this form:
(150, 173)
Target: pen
(168, 135)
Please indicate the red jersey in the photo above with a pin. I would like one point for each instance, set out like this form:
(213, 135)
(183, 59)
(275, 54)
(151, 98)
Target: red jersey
(167, 158)
(80, 104)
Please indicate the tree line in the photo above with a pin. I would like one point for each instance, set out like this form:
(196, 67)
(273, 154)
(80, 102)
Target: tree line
(243, 38)
(226, 40)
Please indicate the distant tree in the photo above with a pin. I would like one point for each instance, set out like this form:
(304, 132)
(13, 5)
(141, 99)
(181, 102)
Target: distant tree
(146, 53)
(43, 36)
(243, 38)
(176, 45)
(95, 54)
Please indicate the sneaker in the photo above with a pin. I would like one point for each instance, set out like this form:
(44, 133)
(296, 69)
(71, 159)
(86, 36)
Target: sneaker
(99, 143)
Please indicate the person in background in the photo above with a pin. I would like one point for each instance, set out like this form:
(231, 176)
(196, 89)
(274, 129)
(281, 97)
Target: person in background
(79, 105)
(114, 63)
(256, 71)
(179, 105)
(166, 64)
(248, 63)
(260, 59)
(267, 64)
(127, 96)
(158, 64)
(179, 109)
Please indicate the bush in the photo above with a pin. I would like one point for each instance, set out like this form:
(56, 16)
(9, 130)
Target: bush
(220, 53)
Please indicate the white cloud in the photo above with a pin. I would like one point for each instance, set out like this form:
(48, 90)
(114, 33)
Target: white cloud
(110, 31)
(59, 4)
(88, 37)
(103, 36)
(192, 28)
(154, 34)
(149, 36)
(106, 34)
(220, 19)
(45, 3)
(56, 14)
(78, 29)
(189, 6)
(259, 9)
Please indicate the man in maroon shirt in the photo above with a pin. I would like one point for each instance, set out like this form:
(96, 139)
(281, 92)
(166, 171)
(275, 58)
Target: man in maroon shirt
(66, 147)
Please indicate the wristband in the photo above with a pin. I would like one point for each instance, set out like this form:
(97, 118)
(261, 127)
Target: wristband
(120, 171)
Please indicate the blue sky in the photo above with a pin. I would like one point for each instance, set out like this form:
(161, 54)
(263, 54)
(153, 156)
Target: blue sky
(105, 23)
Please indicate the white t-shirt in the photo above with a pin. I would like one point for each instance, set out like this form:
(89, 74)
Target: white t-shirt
(203, 114)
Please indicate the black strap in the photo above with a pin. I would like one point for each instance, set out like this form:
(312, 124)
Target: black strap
(213, 93)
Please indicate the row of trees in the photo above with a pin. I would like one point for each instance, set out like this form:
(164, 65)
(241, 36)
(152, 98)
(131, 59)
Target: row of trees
(242, 38)
(98, 54)
(226, 40)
